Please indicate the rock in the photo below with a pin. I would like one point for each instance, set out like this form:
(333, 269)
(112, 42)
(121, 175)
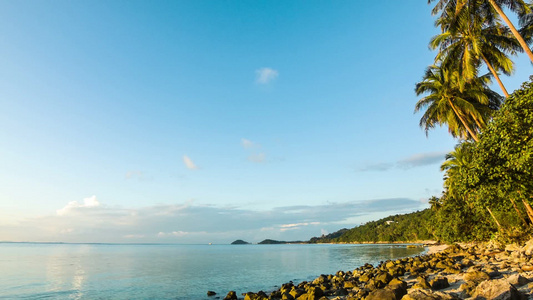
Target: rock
(296, 292)
(365, 277)
(526, 268)
(422, 283)
(286, 296)
(314, 293)
(476, 276)
(468, 287)
(498, 289)
(517, 280)
(384, 277)
(349, 285)
(427, 295)
(259, 296)
(211, 293)
(399, 282)
(382, 294)
(275, 295)
(439, 283)
(528, 248)
(231, 296)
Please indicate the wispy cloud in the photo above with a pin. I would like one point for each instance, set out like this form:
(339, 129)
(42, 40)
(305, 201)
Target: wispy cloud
(90, 221)
(257, 157)
(422, 159)
(253, 150)
(189, 163)
(414, 161)
(247, 144)
(265, 75)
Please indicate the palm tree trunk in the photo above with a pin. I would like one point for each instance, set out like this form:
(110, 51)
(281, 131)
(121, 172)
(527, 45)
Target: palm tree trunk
(518, 211)
(495, 220)
(529, 210)
(495, 76)
(472, 134)
(513, 29)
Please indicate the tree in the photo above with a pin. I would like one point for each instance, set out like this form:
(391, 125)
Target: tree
(455, 164)
(496, 172)
(464, 106)
(518, 6)
(471, 37)
(502, 167)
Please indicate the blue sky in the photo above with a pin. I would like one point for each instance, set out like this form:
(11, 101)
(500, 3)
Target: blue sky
(208, 121)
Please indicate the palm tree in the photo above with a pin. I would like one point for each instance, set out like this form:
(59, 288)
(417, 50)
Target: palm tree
(518, 6)
(456, 162)
(470, 37)
(464, 106)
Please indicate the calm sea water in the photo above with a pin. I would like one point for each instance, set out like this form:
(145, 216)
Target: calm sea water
(104, 271)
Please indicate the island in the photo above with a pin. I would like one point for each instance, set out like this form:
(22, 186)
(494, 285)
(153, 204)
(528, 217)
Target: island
(240, 242)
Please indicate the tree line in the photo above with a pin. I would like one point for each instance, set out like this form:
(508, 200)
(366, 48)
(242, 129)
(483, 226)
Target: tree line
(488, 178)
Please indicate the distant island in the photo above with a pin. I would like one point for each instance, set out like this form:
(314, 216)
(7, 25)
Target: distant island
(274, 242)
(240, 242)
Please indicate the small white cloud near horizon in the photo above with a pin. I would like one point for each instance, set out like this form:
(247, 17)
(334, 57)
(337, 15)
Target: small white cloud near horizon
(189, 163)
(286, 227)
(266, 75)
(87, 203)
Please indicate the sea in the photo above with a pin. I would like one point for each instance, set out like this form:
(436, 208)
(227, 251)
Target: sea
(162, 271)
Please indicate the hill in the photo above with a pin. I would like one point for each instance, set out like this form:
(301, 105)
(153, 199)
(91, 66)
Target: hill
(410, 227)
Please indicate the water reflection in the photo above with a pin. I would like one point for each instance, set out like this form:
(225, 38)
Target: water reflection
(66, 269)
(172, 271)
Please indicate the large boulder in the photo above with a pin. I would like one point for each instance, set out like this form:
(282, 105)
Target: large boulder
(496, 290)
(476, 276)
(421, 294)
(382, 294)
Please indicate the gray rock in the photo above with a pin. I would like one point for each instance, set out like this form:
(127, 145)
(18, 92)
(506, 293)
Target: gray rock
(498, 289)
(517, 280)
(439, 283)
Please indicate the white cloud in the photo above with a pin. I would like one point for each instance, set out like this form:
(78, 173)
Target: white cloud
(292, 226)
(73, 205)
(187, 222)
(257, 158)
(189, 163)
(265, 75)
(247, 144)
(173, 233)
(134, 174)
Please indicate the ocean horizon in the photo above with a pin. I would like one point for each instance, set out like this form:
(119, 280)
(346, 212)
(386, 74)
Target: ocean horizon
(172, 271)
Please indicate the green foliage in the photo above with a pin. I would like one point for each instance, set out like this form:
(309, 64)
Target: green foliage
(399, 228)
(494, 175)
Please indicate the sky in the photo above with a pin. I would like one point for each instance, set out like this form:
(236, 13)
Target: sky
(211, 121)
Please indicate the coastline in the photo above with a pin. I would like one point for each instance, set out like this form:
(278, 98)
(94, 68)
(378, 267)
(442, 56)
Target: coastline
(466, 271)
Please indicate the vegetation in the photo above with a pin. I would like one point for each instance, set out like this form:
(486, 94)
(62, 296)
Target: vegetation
(492, 180)
(399, 228)
(488, 178)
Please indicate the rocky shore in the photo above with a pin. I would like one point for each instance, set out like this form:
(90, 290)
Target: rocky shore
(483, 271)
